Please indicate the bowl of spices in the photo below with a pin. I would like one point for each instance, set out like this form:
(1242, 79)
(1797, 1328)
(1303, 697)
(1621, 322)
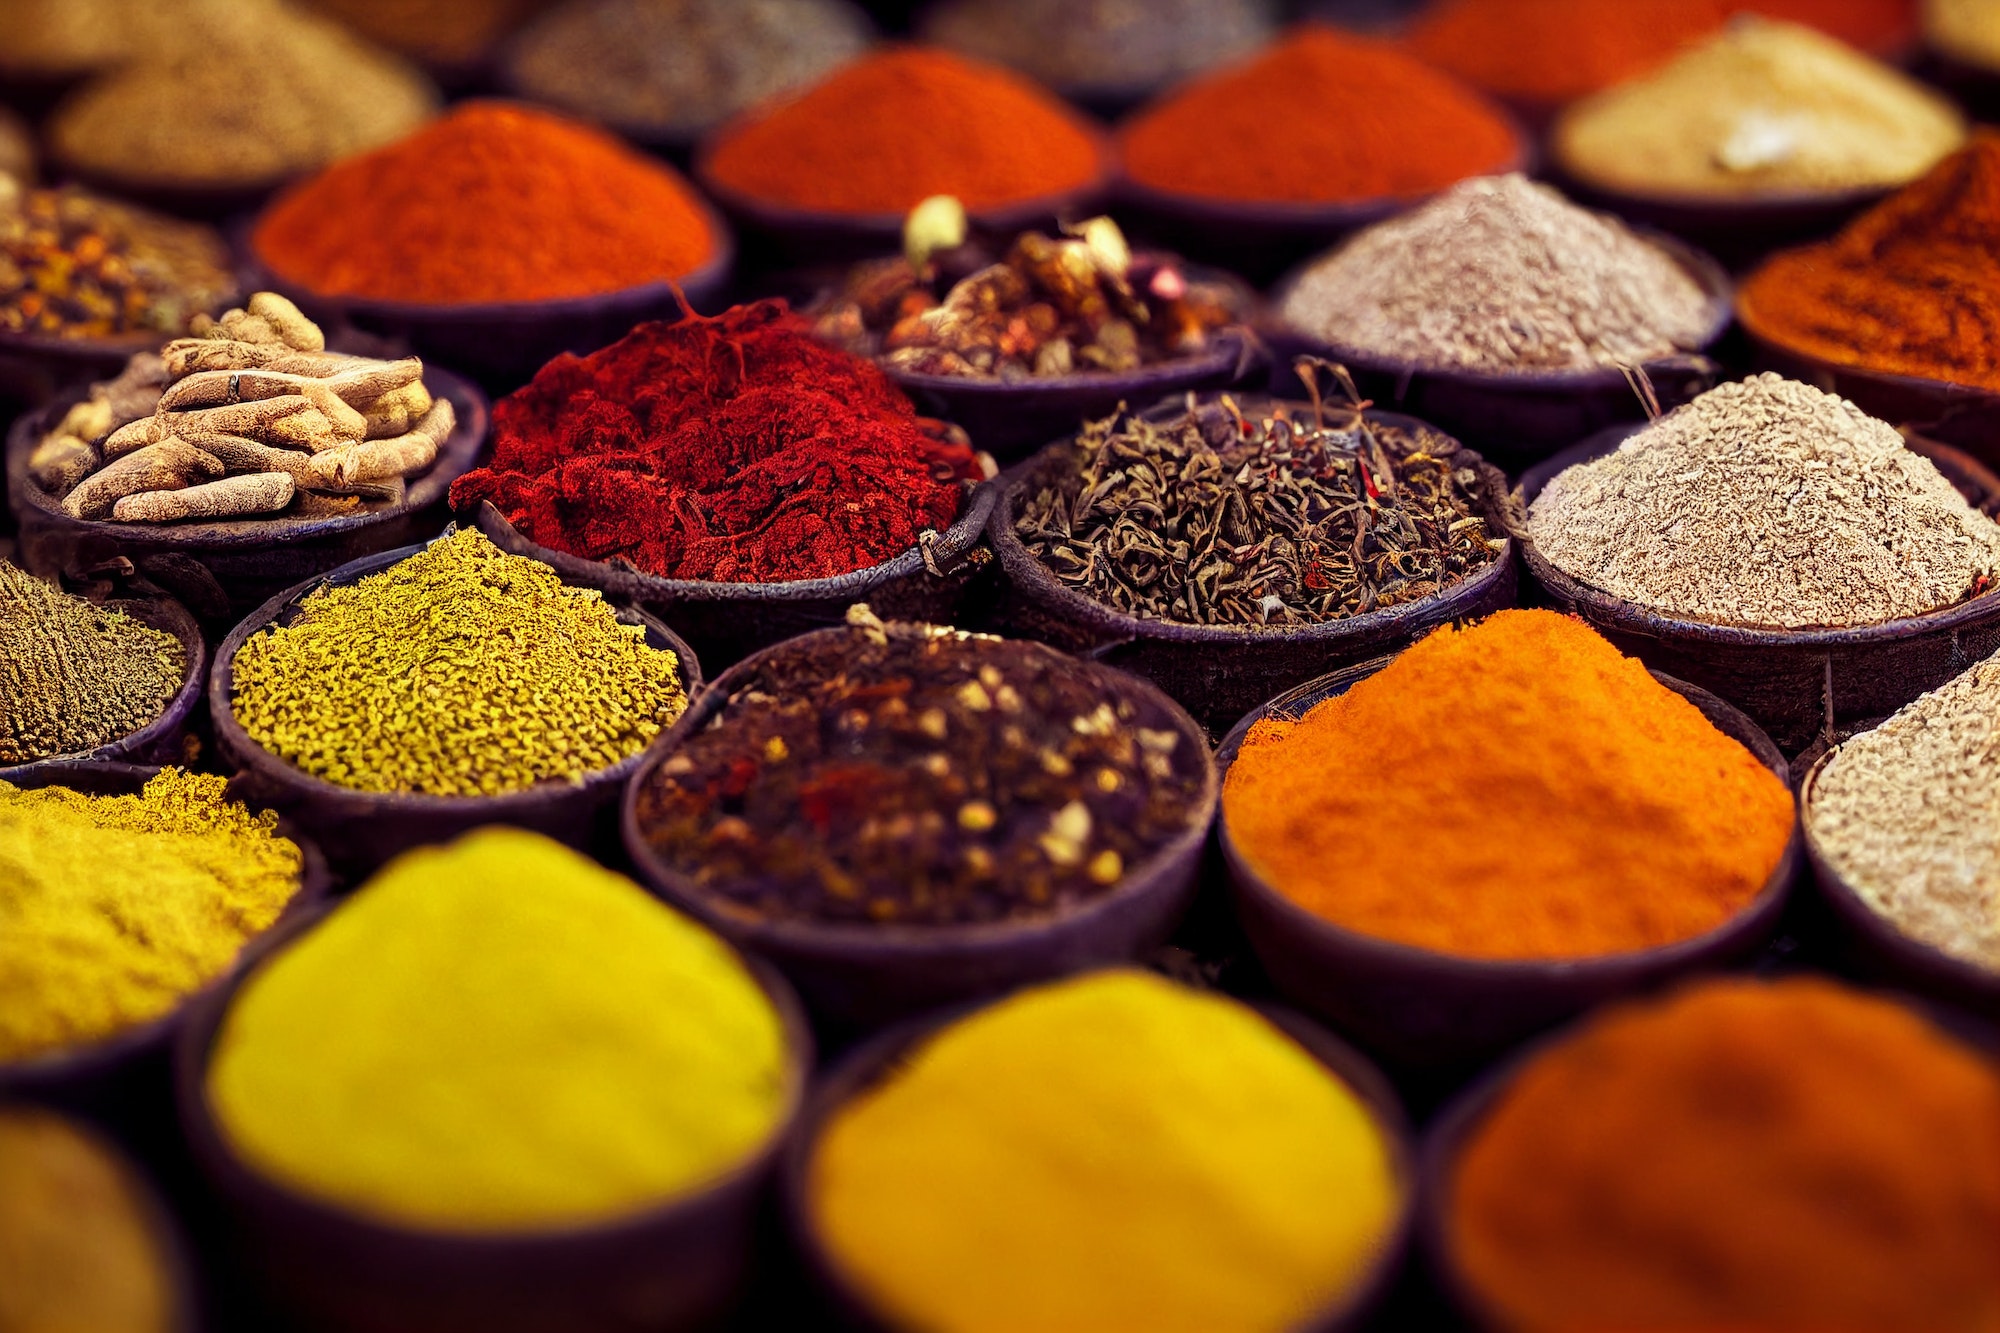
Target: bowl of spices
(1227, 549)
(665, 72)
(1509, 317)
(1896, 828)
(1259, 164)
(1113, 1150)
(1895, 311)
(116, 680)
(84, 1241)
(455, 40)
(748, 479)
(496, 239)
(419, 693)
(239, 460)
(131, 891)
(1764, 133)
(1666, 1164)
(1776, 545)
(1495, 830)
(830, 172)
(905, 816)
(499, 1087)
(1019, 340)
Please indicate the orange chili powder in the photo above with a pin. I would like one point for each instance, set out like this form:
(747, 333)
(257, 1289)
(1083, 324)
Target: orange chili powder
(495, 202)
(888, 131)
(1911, 287)
(1552, 51)
(1319, 117)
(1519, 789)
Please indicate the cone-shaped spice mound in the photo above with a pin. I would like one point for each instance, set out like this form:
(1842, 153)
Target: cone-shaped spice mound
(1515, 790)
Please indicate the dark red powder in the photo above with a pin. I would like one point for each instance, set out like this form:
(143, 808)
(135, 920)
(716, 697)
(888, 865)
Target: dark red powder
(735, 449)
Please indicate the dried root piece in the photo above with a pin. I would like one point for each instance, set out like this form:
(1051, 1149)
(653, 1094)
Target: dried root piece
(241, 455)
(229, 388)
(232, 497)
(60, 462)
(291, 326)
(166, 466)
(379, 460)
(397, 410)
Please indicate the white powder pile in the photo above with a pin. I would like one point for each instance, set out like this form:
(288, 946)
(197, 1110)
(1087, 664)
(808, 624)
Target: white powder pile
(1501, 274)
(1768, 503)
(1909, 814)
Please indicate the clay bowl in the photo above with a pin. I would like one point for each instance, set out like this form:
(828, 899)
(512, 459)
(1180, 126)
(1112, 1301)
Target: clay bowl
(1884, 949)
(1421, 1009)
(361, 829)
(117, 1080)
(880, 1058)
(1795, 683)
(857, 977)
(1518, 419)
(675, 1265)
(503, 343)
(222, 570)
(159, 741)
(728, 621)
(1220, 672)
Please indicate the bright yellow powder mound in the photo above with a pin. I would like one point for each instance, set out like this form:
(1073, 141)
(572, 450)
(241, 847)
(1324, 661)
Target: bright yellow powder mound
(500, 1035)
(1519, 789)
(113, 909)
(1113, 1154)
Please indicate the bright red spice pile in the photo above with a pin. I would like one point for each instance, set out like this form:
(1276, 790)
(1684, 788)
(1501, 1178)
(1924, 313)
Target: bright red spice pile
(734, 449)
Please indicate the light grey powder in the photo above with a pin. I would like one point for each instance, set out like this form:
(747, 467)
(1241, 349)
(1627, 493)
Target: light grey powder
(1502, 274)
(1909, 814)
(1768, 503)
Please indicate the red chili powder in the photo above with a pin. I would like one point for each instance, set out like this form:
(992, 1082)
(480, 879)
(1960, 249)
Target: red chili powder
(1319, 117)
(734, 449)
(1552, 51)
(495, 202)
(888, 131)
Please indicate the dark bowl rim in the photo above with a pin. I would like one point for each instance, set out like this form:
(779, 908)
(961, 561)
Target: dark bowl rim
(54, 346)
(194, 1046)
(1946, 392)
(1717, 289)
(1324, 937)
(234, 740)
(878, 1058)
(179, 622)
(1606, 608)
(891, 941)
(467, 437)
(1034, 579)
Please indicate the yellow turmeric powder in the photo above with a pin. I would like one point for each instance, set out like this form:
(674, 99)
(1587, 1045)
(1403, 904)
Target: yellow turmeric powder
(113, 909)
(499, 1036)
(1112, 1153)
(1518, 789)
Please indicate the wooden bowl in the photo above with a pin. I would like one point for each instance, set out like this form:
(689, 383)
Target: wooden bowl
(363, 829)
(1519, 418)
(161, 740)
(222, 570)
(878, 1059)
(1423, 1009)
(674, 1265)
(860, 976)
(1220, 672)
(1795, 683)
(728, 621)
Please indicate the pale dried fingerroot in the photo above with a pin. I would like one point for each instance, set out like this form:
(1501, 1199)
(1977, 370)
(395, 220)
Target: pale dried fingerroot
(379, 460)
(188, 356)
(90, 419)
(168, 465)
(61, 462)
(243, 455)
(290, 323)
(397, 410)
(232, 497)
(135, 435)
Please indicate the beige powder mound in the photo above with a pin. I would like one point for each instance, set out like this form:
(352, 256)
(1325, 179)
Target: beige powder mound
(1768, 503)
(1909, 814)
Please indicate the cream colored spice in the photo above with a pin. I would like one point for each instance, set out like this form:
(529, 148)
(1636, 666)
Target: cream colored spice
(1965, 30)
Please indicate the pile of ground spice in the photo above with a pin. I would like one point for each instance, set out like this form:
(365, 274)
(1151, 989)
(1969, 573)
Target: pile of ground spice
(1911, 287)
(496, 202)
(1501, 274)
(1760, 108)
(1909, 815)
(892, 129)
(1967, 31)
(734, 449)
(1768, 503)
(1101, 49)
(74, 676)
(1320, 117)
(448, 32)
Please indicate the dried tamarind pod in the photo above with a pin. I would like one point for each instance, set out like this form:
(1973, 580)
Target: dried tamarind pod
(379, 460)
(397, 410)
(136, 435)
(226, 388)
(168, 465)
(61, 462)
(187, 356)
(241, 455)
(289, 321)
(232, 497)
(91, 419)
